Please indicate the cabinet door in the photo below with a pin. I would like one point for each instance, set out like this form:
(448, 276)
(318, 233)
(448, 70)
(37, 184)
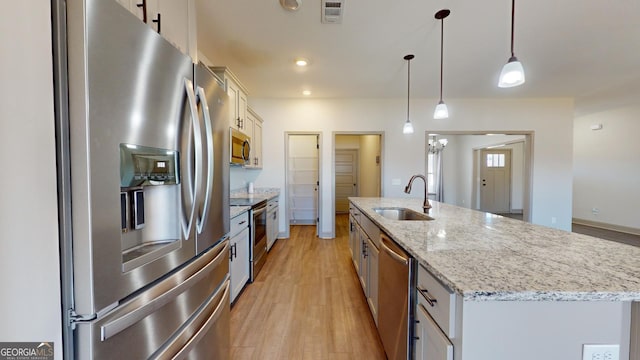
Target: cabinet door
(239, 262)
(356, 247)
(245, 125)
(170, 18)
(433, 344)
(372, 265)
(134, 6)
(257, 143)
(233, 91)
(364, 269)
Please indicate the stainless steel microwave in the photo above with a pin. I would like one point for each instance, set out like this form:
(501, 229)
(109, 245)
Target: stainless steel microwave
(240, 144)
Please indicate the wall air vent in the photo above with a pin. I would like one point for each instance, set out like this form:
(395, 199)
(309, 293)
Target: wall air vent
(332, 11)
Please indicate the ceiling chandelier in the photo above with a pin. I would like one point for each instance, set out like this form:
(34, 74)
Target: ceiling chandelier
(436, 146)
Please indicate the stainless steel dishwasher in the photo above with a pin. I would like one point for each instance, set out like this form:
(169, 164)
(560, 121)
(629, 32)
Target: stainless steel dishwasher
(394, 300)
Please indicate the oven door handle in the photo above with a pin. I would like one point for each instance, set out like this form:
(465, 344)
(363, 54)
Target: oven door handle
(259, 211)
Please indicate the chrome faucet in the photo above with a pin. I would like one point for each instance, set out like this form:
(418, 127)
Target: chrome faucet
(407, 189)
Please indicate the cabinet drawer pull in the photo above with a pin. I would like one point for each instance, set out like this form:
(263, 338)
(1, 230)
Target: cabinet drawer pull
(143, 5)
(158, 21)
(425, 294)
(242, 222)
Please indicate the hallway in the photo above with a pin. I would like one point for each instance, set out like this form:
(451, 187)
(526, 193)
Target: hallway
(305, 304)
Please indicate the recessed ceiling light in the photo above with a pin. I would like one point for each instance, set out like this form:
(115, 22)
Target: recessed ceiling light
(306, 92)
(302, 62)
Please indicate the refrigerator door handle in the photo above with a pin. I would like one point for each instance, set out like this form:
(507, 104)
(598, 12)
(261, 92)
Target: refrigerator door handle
(137, 314)
(202, 220)
(191, 98)
(175, 349)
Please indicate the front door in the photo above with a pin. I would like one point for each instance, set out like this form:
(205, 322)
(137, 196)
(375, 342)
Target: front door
(495, 180)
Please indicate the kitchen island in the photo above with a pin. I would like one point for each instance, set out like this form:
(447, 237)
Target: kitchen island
(518, 290)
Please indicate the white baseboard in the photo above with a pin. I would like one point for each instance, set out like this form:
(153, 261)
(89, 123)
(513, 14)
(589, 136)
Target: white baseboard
(601, 225)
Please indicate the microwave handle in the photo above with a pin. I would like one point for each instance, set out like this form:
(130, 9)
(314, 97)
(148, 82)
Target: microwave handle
(246, 145)
(208, 146)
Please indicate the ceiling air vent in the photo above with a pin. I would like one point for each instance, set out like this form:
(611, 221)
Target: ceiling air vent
(332, 11)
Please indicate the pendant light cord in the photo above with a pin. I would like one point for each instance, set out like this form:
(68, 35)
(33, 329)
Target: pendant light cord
(408, 85)
(441, 53)
(513, 16)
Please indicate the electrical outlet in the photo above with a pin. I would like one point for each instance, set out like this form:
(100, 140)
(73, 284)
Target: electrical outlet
(600, 352)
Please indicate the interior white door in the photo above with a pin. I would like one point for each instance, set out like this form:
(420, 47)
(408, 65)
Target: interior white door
(346, 178)
(303, 179)
(495, 180)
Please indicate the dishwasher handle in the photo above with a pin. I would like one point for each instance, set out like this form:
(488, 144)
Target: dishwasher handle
(394, 255)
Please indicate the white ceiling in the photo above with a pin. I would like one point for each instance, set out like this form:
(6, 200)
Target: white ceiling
(569, 48)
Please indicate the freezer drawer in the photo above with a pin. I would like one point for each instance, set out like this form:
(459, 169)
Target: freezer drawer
(170, 318)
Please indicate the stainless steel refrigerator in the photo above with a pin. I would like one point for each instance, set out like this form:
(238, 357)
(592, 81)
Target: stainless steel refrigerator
(143, 166)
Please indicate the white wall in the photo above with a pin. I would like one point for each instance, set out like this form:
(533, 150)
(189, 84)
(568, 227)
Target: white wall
(607, 167)
(30, 305)
(369, 169)
(403, 155)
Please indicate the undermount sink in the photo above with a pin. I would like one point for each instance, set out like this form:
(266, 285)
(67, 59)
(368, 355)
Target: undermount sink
(398, 213)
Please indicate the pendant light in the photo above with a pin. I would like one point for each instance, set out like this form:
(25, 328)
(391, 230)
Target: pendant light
(512, 73)
(441, 111)
(408, 128)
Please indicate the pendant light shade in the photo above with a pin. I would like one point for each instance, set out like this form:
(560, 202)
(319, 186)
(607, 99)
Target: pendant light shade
(408, 127)
(441, 111)
(512, 72)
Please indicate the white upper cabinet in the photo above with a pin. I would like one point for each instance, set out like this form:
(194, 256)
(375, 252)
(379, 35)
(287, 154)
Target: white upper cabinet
(174, 20)
(238, 98)
(254, 121)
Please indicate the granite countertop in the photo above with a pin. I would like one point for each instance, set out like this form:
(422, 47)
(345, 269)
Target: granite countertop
(258, 194)
(483, 256)
(237, 210)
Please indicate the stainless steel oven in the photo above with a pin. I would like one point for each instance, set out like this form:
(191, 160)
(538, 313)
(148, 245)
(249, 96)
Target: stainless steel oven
(259, 238)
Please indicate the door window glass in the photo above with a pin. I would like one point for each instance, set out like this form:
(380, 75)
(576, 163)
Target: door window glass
(495, 160)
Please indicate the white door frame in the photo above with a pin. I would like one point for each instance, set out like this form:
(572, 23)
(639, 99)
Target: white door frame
(529, 137)
(287, 134)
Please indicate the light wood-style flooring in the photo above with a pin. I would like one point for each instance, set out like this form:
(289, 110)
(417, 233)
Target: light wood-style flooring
(306, 303)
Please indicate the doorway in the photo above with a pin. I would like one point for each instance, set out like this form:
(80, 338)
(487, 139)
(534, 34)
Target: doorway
(303, 178)
(357, 167)
(462, 178)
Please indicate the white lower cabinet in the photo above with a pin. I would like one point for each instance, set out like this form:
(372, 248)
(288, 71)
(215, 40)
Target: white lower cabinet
(363, 275)
(363, 239)
(272, 222)
(372, 265)
(239, 270)
(430, 342)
